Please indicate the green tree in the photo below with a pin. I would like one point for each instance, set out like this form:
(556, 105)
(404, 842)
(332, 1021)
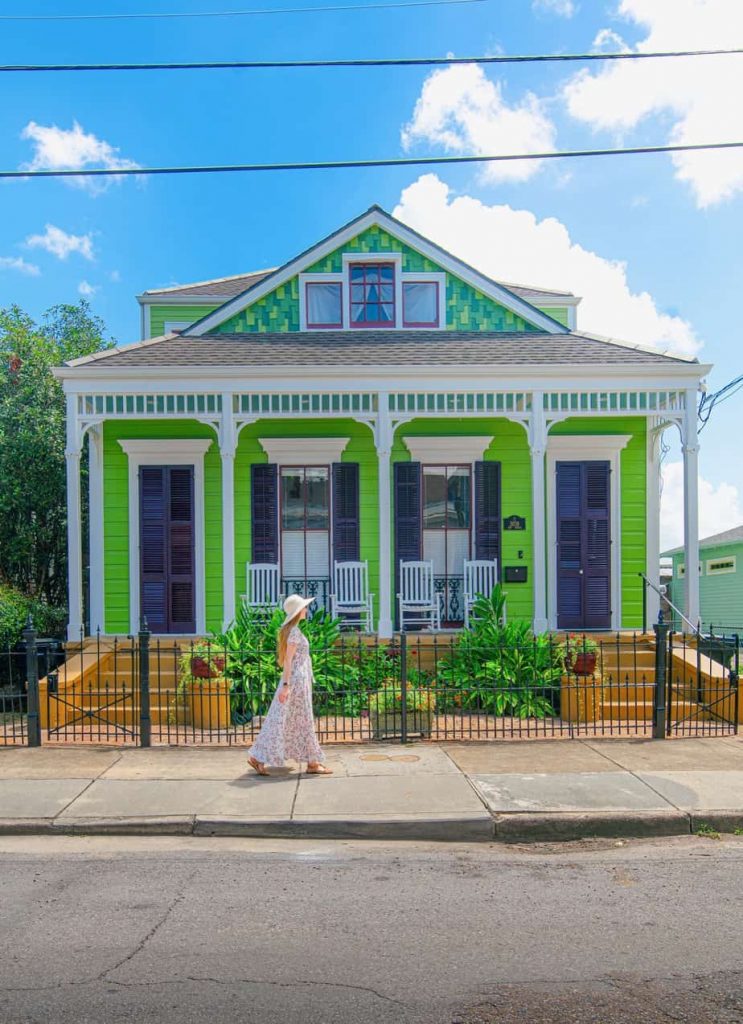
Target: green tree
(33, 539)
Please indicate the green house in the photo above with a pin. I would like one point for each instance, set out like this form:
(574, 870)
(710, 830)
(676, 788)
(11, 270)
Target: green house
(374, 399)
(720, 575)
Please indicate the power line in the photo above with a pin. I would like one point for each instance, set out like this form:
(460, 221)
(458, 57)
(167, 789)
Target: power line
(331, 165)
(232, 14)
(710, 401)
(374, 62)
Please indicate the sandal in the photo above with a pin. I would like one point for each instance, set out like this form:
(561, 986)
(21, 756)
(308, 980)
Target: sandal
(257, 766)
(319, 769)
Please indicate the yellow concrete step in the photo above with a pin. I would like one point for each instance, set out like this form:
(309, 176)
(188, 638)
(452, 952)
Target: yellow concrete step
(642, 711)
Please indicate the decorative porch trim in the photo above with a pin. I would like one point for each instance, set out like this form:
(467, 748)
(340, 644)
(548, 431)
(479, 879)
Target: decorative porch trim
(183, 452)
(299, 451)
(438, 449)
(578, 447)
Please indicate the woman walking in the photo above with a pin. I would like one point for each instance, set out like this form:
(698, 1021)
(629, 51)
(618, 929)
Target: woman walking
(288, 729)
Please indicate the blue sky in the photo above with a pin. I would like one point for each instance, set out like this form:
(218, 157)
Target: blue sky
(676, 228)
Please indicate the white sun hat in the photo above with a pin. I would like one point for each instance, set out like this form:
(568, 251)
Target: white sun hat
(294, 605)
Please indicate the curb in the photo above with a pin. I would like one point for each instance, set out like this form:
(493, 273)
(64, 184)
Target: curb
(567, 825)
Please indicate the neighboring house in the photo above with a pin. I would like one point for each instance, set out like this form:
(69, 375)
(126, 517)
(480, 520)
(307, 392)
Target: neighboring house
(720, 570)
(373, 398)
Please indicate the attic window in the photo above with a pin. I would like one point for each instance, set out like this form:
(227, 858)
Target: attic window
(719, 566)
(324, 304)
(420, 304)
(372, 294)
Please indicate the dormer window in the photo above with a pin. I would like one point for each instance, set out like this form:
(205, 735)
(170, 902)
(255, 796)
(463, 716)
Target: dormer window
(324, 304)
(372, 294)
(420, 304)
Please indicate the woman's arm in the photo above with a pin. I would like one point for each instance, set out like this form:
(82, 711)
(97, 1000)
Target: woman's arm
(287, 672)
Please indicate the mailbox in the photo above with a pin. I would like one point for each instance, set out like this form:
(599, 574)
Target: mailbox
(514, 574)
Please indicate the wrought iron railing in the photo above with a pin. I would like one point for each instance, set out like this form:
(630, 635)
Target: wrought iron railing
(451, 589)
(317, 587)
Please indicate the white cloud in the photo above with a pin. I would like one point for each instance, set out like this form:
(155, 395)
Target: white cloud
(698, 94)
(720, 507)
(60, 244)
(464, 111)
(512, 245)
(62, 149)
(16, 263)
(563, 8)
(86, 290)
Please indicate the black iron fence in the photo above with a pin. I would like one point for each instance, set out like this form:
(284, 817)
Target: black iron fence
(465, 686)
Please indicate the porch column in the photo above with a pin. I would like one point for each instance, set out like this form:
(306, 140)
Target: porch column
(383, 440)
(74, 537)
(95, 491)
(690, 449)
(537, 448)
(652, 560)
(227, 445)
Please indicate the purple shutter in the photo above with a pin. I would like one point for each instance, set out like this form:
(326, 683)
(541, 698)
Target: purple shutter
(345, 511)
(153, 547)
(408, 515)
(597, 545)
(488, 511)
(264, 497)
(181, 580)
(583, 546)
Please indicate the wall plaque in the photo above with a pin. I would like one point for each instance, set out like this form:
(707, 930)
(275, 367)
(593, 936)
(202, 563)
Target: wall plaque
(514, 523)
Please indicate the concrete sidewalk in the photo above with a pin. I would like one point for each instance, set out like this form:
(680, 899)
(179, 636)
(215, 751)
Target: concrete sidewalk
(517, 791)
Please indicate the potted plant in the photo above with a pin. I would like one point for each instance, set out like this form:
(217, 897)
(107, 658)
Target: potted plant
(579, 654)
(385, 711)
(203, 688)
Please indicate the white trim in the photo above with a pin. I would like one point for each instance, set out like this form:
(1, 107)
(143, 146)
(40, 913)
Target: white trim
(303, 451)
(437, 450)
(652, 505)
(690, 450)
(377, 217)
(95, 531)
(730, 567)
(177, 452)
(169, 326)
(594, 447)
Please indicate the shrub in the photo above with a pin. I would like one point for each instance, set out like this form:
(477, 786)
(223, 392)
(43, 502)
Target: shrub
(15, 608)
(389, 700)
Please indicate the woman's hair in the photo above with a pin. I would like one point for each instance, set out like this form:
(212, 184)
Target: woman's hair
(284, 636)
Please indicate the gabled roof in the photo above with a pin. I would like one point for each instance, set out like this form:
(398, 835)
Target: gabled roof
(734, 536)
(376, 216)
(378, 348)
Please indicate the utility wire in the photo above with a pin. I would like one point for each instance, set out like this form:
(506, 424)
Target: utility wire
(709, 402)
(374, 62)
(232, 14)
(330, 165)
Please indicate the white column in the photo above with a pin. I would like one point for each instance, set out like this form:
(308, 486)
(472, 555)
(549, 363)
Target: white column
(227, 445)
(537, 448)
(383, 439)
(95, 504)
(690, 449)
(74, 536)
(652, 560)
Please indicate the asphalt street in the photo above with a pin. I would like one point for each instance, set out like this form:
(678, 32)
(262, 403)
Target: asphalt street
(169, 929)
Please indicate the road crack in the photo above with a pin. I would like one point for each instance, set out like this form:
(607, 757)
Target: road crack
(299, 983)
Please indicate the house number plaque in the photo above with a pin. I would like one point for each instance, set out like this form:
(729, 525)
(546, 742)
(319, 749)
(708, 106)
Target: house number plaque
(514, 523)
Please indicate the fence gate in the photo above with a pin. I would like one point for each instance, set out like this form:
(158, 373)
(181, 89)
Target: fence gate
(702, 685)
(94, 697)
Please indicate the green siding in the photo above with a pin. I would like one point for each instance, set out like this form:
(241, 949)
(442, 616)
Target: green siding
(633, 483)
(116, 516)
(360, 448)
(159, 314)
(509, 447)
(467, 308)
(561, 314)
(720, 597)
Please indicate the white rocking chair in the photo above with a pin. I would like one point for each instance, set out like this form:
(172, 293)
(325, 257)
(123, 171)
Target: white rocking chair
(417, 598)
(480, 576)
(351, 598)
(262, 586)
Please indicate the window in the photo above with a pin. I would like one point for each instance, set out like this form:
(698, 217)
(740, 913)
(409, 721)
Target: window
(720, 566)
(682, 570)
(420, 304)
(447, 511)
(324, 304)
(372, 294)
(305, 523)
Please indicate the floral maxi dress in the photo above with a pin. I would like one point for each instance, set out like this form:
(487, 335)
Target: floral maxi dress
(288, 730)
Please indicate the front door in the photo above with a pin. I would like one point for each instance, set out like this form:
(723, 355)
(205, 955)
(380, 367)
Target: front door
(583, 546)
(166, 528)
